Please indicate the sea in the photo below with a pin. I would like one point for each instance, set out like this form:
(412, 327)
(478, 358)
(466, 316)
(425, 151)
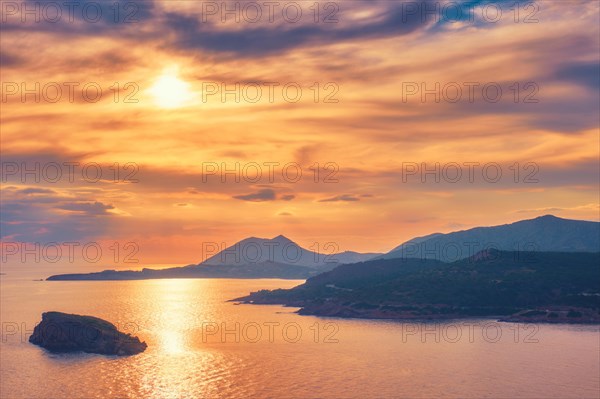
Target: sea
(203, 345)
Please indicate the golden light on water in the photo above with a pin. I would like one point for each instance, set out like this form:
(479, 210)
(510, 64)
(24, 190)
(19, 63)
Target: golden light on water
(172, 342)
(175, 322)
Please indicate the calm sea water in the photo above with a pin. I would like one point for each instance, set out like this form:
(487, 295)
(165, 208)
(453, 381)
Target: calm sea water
(271, 352)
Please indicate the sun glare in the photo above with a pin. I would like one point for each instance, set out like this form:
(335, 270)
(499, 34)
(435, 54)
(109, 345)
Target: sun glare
(171, 92)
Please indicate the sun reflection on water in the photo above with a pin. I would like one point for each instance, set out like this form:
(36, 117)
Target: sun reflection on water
(172, 342)
(178, 369)
(174, 320)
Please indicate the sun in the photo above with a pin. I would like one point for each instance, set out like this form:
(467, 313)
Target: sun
(171, 92)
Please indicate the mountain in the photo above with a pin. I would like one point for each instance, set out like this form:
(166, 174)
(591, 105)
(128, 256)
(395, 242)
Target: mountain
(253, 257)
(530, 286)
(280, 257)
(280, 250)
(542, 234)
(417, 240)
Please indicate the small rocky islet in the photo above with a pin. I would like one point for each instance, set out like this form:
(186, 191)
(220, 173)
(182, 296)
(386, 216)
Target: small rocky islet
(62, 332)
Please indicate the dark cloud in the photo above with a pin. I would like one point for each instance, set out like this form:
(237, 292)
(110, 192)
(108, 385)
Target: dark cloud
(192, 34)
(32, 224)
(41, 218)
(259, 196)
(195, 32)
(8, 60)
(265, 194)
(88, 208)
(584, 74)
(32, 190)
(343, 198)
(86, 17)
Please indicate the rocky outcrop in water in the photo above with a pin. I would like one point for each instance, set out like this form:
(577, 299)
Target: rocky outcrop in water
(63, 332)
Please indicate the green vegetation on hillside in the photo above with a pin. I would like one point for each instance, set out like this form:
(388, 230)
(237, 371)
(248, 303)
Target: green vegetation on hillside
(490, 283)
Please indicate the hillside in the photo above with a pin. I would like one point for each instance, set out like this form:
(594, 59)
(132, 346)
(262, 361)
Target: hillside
(492, 283)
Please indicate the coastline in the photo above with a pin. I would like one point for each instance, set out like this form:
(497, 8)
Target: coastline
(551, 315)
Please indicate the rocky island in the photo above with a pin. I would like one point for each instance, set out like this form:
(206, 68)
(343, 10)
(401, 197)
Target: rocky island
(63, 332)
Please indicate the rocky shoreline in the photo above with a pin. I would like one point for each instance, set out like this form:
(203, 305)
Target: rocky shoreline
(564, 315)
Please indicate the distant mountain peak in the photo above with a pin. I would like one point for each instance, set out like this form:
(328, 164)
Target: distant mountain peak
(548, 217)
(281, 238)
(279, 250)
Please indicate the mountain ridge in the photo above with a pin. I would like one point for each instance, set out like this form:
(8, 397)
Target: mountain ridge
(546, 233)
(280, 257)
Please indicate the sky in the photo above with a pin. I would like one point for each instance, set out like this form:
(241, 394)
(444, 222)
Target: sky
(173, 124)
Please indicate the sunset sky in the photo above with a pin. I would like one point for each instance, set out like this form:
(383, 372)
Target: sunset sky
(357, 59)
